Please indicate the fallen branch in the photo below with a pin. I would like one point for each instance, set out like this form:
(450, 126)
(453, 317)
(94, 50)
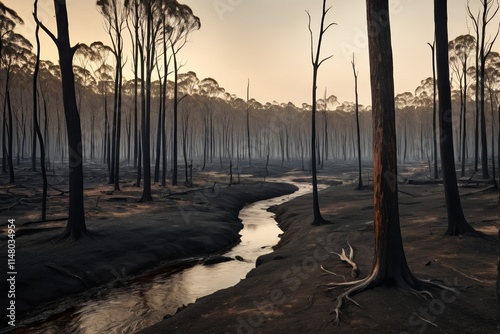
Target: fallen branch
(62, 192)
(185, 192)
(349, 260)
(431, 323)
(332, 273)
(45, 221)
(11, 206)
(67, 273)
(458, 271)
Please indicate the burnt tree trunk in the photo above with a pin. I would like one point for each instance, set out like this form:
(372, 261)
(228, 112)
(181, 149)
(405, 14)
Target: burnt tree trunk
(316, 63)
(76, 228)
(390, 266)
(457, 223)
(434, 111)
(35, 118)
(174, 130)
(360, 178)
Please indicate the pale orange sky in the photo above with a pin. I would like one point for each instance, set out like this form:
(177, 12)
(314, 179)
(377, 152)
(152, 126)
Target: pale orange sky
(268, 42)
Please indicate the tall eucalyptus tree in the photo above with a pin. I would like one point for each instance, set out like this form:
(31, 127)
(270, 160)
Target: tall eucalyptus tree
(183, 22)
(76, 227)
(115, 14)
(483, 49)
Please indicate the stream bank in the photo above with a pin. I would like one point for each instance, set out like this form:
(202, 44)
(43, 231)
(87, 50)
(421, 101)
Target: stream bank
(132, 238)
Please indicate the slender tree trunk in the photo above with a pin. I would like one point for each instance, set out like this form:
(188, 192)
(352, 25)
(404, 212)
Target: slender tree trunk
(498, 141)
(476, 131)
(113, 149)
(136, 91)
(139, 166)
(457, 223)
(164, 108)
(35, 119)
(10, 135)
(495, 184)
(484, 141)
(176, 104)
(464, 121)
(434, 112)
(158, 138)
(129, 126)
(146, 113)
(76, 228)
(248, 126)
(316, 63)
(118, 128)
(33, 142)
(360, 178)
(4, 136)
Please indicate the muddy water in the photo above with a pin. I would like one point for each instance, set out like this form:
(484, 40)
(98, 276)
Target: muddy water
(146, 301)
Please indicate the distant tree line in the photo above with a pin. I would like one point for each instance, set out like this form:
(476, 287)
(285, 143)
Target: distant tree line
(162, 114)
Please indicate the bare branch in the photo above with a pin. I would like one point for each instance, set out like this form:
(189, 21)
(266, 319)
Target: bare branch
(492, 15)
(44, 28)
(489, 45)
(325, 59)
(349, 260)
(331, 24)
(475, 20)
(353, 63)
(311, 33)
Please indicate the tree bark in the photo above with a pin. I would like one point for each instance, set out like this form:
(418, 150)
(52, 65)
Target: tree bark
(390, 266)
(146, 107)
(360, 178)
(76, 228)
(248, 126)
(35, 118)
(434, 112)
(457, 223)
(316, 63)
(174, 130)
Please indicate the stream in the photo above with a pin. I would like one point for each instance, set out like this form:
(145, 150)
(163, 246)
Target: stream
(146, 300)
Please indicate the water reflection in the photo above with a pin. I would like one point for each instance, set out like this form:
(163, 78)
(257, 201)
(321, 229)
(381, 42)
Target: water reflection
(145, 302)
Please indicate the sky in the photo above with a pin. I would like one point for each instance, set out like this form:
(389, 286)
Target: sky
(268, 43)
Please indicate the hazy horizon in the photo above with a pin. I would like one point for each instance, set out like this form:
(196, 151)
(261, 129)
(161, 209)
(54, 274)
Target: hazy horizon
(268, 43)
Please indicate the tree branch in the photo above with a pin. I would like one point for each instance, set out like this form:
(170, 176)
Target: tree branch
(353, 63)
(472, 17)
(489, 45)
(44, 28)
(325, 59)
(331, 24)
(492, 15)
(311, 33)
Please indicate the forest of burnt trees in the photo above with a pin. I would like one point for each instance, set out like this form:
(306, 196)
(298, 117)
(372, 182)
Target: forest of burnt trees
(164, 112)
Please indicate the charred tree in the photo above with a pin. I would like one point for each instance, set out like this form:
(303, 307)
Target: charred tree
(248, 126)
(316, 63)
(457, 224)
(355, 72)
(389, 265)
(434, 110)
(35, 117)
(75, 228)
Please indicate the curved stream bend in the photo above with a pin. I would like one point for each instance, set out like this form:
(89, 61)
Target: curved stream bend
(143, 303)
